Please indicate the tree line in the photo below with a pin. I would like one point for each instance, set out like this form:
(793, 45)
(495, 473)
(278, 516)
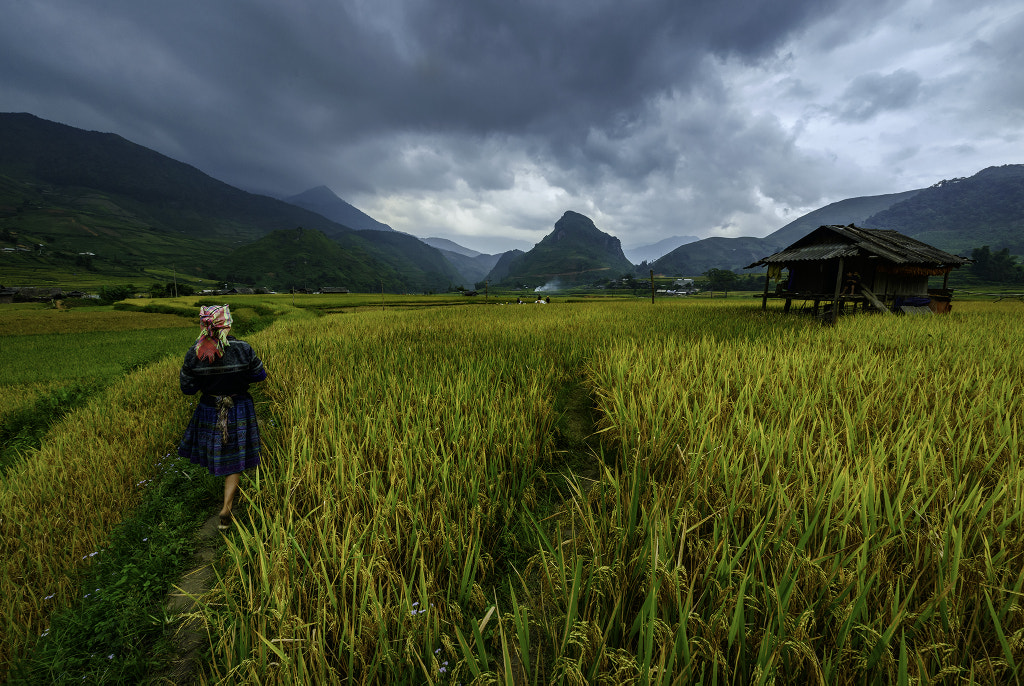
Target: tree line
(112, 294)
(999, 266)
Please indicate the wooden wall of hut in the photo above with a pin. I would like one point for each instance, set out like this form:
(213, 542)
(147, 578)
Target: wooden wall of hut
(812, 277)
(820, 277)
(898, 284)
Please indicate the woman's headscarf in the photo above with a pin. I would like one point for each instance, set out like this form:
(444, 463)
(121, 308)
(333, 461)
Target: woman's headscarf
(214, 324)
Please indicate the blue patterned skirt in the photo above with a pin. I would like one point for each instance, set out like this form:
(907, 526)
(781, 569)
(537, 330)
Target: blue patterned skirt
(204, 445)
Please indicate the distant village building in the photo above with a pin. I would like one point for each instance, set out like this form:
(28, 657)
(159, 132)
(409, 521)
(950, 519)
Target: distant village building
(333, 289)
(30, 294)
(40, 293)
(876, 269)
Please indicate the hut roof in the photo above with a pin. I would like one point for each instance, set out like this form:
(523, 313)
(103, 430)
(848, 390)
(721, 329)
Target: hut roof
(831, 242)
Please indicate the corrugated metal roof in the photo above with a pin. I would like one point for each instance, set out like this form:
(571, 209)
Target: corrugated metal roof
(820, 251)
(832, 242)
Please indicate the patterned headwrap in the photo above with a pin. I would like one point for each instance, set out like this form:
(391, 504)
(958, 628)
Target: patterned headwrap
(214, 324)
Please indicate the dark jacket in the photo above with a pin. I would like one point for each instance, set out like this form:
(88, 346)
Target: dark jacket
(227, 375)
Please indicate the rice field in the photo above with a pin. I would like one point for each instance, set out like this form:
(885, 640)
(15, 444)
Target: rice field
(33, 319)
(15, 397)
(690, 492)
(40, 345)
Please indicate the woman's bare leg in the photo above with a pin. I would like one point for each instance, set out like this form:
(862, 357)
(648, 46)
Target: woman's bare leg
(230, 487)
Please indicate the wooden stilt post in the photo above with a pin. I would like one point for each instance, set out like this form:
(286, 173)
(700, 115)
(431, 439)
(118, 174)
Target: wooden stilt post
(764, 297)
(835, 296)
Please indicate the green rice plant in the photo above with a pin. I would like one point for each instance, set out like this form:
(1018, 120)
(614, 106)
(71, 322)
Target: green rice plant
(87, 356)
(17, 397)
(411, 426)
(22, 429)
(866, 449)
(29, 319)
(59, 504)
(116, 628)
(429, 445)
(769, 500)
(755, 519)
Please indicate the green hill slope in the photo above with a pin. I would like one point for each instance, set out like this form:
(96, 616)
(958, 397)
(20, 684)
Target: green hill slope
(500, 271)
(957, 215)
(694, 259)
(416, 264)
(303, 258)
(471, 269)
(105, 171)
(849, 211)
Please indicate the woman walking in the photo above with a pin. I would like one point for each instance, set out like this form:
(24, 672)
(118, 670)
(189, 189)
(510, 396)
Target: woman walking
(223, 435)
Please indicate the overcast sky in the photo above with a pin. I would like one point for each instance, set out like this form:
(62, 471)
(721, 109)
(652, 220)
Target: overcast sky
(482, 121)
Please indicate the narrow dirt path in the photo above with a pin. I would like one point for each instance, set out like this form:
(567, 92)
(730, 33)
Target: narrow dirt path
(189, 638)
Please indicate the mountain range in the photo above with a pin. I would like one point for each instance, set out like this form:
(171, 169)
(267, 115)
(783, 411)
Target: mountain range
(652, 251)
(955, 215)
(73, 200)
(133, 211)
(474, 266)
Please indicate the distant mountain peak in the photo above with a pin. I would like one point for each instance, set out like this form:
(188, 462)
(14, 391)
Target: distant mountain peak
(326, 203)
(576, 251)
(317, 193)
(451, 246)
(574, 226)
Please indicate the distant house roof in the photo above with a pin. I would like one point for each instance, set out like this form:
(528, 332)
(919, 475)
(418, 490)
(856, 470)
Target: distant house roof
(38, 292)
(832, 242)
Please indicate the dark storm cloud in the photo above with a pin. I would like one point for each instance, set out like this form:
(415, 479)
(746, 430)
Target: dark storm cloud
(1004, 51)
(515, 65)
(480, 109)
(220, 77)
(870, 94)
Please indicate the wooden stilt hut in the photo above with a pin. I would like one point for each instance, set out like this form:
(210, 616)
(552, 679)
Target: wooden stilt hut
(874, 269)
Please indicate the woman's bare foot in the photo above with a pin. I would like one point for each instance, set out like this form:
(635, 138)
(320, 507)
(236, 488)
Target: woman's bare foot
(230, 487)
